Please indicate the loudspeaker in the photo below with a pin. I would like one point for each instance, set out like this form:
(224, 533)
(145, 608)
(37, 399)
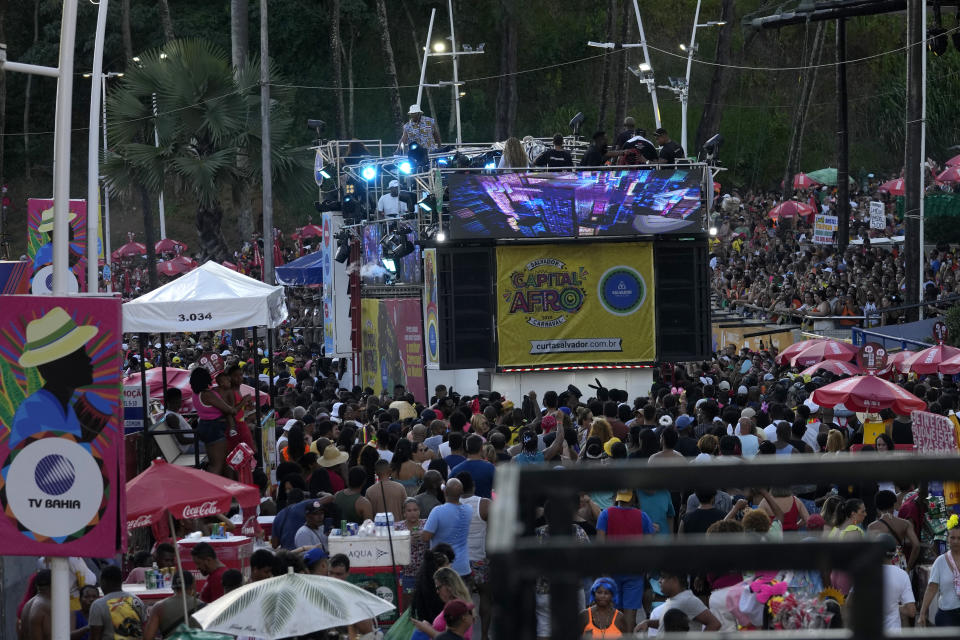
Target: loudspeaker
(465, 298)
(683, 300)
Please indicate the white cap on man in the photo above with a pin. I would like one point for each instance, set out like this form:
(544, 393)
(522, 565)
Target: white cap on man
(394, 183)
(414, 108)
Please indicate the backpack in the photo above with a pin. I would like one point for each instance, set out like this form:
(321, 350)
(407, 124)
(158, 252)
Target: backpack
(125, 617)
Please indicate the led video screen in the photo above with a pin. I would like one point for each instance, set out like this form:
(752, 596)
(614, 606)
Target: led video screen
(375, 270)
(574, 203)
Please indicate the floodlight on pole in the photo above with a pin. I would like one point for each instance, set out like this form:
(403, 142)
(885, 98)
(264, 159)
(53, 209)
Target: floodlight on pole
(651, 87)
(643, 66)
(439, 46)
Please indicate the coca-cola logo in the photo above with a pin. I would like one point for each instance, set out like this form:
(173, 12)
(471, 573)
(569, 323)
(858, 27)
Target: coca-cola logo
(235, 486)
(141, 521)
(208, 508)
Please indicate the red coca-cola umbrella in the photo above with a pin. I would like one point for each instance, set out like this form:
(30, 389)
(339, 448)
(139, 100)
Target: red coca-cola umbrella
(870, 394)
(168, 245)
(934, 359)
(130, 250)
(310, 231)
(180, 379)
(176, 266)
(836, 367)
(182, 492)
(802, 181)
(824, 350)
(791, 209)
(899, 362)
(954, 161)
(787, 354)
(951, 365)
(950, 174)
(893, 187)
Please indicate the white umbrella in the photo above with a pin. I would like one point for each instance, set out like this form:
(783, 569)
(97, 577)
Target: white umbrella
(290, 605)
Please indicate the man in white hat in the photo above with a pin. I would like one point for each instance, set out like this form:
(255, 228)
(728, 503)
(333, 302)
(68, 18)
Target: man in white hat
(56, 345)
(389, 203)
(420, 129)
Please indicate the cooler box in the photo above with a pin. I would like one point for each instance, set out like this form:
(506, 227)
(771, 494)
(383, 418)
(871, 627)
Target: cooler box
(381, 582)
(232, 551)
(373, 551)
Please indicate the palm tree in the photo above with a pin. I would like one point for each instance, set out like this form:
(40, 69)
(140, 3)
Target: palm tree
(206, 114)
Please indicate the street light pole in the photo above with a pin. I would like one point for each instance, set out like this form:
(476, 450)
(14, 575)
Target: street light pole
(685, 93)
(651, 87)
(93, 165)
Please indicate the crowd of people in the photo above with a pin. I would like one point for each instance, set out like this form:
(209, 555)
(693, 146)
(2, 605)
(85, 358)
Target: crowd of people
(345, 454)
(770, 268)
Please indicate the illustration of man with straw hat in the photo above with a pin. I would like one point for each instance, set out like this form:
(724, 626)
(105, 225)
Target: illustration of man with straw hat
(56, 345)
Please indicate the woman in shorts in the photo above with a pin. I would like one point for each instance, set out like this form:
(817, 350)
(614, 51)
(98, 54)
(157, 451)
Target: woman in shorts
(213, 418)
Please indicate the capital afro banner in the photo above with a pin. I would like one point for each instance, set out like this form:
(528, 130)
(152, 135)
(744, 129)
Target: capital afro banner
(40, 244)
(61, 426)
(575, 304)
(392, 351)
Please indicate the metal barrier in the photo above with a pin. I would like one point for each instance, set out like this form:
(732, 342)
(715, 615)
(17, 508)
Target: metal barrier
(518, 559)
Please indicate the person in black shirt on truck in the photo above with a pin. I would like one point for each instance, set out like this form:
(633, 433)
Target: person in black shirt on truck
(670, 151)
(555, 157)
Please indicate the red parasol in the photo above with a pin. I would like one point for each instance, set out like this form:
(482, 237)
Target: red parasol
(836, 367)
(824, 350)
(791, 209)
(868, 393)
(130, 250)
(230, 265)
(787, 354)
(950, 174)
(169, 246)
(180, 378)
(183, 491)
(893, 187)
(954, 161)
(176, 266)
(802, 181)
(934, 359)
(899, 362)
(310, 231)
(951, 365)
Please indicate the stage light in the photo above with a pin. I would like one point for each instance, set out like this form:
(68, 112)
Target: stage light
(405, 167)
(369, 172)
(389, 264)
(324, 173)
(713, 231)
(439, 46)
(395, 246)
(442, 161)
(428, 203)
(490, 165)
(441, 236)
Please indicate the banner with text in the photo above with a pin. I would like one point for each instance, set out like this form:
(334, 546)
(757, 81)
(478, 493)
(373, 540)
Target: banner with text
(61, 426)
(823, 228)
(933, 433)
(393, 345)
(431, 320)
(878, 216)
(575, 304)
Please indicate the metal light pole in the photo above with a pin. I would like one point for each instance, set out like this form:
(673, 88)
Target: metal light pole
(426, 54)
(156, 143)
(93, 165)
(268, 239)
(651, 87)
(685, 89)
(456, 80)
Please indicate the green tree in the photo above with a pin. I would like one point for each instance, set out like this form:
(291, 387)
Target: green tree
(207, 115)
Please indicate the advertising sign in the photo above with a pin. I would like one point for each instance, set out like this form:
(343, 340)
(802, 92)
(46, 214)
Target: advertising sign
(132, 408)
(575, 304)
(550, 204)
(431, 321)
(393, 345)
(878, 217)
(327, 253)
(933, 433)
(40, 244)
(61, 433)
(823, 228)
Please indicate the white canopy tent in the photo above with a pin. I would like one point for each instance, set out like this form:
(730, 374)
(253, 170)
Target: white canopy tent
(208, 298)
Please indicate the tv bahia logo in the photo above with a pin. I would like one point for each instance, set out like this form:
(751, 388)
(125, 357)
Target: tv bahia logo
(621, 290)
(54, 487)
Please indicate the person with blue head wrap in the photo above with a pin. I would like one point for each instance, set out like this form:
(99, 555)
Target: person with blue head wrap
(602, 618)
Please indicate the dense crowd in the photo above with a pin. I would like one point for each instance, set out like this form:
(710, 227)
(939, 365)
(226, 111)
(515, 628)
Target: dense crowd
(345, 454)
(771, 269)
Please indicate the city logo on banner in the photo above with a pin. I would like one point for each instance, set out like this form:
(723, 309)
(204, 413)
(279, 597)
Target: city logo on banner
(546, 292)
(622, 290)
